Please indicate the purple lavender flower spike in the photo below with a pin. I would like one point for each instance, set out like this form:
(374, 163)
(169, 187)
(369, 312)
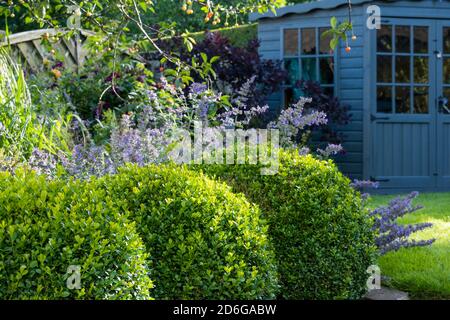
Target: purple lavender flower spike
(197, 88)
(393, 236)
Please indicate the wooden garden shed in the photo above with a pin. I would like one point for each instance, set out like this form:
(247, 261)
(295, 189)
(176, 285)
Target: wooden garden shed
(396, 80)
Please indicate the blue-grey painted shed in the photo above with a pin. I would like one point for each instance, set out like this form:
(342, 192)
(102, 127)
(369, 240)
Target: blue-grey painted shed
(396, 80)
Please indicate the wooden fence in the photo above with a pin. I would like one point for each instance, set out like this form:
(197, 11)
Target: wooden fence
(27, 48)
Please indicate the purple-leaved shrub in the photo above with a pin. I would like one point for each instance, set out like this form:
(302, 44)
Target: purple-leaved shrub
(234, 67)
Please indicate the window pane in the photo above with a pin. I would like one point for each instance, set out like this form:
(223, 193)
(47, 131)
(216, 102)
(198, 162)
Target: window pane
(329, 91)
(421, 39)
(291, 66)
(288, 97)
(291, 95)
(384, 99)
(384, 69)
(421, 100)
(402, 69)
(446, 40)
(402, 39)
(290, 42)
(447, 95)
(384, 39)
(324, 42)
(447, 70)
(326, 66)
(420, 70)
(309, 71)
(309, 41)
(445, 109)
(402, 100)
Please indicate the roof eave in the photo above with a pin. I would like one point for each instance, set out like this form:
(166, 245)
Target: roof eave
(303, 8)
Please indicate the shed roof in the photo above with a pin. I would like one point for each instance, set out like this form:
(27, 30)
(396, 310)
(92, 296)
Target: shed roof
(303, 8)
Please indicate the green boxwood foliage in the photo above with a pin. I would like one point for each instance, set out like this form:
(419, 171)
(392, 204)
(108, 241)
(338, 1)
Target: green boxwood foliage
(321, 234)
(205, 242)
(46, 226)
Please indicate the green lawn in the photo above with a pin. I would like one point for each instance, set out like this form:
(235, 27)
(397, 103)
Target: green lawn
(423, 272)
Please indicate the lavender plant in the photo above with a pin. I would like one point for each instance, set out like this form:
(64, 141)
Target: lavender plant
(393, 236)
(330, 150)
(242, 112)
(293, 120)
(43, 162)
(362, 185)
(140, 142)
(148, 134)
(88, 161)
(7, 161)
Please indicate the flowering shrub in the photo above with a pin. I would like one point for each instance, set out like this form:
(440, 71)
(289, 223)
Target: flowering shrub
(391, 235)
(394, 236)
(337, 113)
(330, 150)
(8, 162)
(293, 120)
(149, 135)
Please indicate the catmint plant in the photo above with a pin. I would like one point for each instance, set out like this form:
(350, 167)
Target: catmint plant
(43, 162)
(393, 236)
(147, 134)
(241, 113)
(87, 161)
(330, 150)
(140, 143)
(293, 120)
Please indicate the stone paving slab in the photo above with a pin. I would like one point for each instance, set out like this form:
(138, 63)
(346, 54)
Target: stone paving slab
(386, 294)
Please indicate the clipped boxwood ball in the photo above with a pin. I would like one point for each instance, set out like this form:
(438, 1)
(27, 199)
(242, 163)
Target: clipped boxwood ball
(321, 234)
(48, 226)
(204, 241)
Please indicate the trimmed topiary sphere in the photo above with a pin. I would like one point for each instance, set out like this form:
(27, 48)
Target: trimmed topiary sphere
(48, 226)
(204, 241)
(321, 234)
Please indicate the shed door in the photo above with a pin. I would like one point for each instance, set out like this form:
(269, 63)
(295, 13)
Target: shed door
(443, 114)
(410, 131)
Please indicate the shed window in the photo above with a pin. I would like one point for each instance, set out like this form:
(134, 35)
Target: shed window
(403, 69)
(307, 56)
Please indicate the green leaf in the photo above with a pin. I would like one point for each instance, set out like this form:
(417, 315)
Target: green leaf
(214, 59)
(333, 22)
(334, 43)
(204, 57)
